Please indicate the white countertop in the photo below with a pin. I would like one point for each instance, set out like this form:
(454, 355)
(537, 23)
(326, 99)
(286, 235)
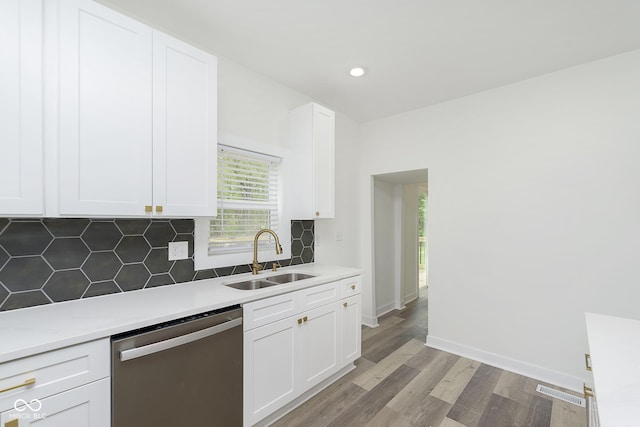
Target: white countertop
(614, 345)
(33, 330)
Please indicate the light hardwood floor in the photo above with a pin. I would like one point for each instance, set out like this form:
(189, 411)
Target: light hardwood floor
(399, 382)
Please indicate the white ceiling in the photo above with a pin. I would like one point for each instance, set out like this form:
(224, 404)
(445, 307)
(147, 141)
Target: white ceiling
(418, 52)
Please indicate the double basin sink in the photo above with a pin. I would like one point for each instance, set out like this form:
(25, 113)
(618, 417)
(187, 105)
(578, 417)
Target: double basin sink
(248, 285)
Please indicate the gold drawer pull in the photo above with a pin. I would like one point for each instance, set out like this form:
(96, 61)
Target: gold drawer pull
(588, 391)
(299, 321)
(305, 318)
(317, 213)
(587, 361)
(26, 382)
(345, 305)
(148, 209)
(159, 209)
(353, 287)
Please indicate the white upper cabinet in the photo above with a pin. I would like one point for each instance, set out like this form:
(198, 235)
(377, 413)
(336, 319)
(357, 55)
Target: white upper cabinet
(137, 118)
(312, 137)
(184, 128)
(21, 142)
(105, 111)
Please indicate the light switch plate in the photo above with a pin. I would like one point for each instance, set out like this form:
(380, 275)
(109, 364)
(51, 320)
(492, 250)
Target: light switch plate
(178, 250)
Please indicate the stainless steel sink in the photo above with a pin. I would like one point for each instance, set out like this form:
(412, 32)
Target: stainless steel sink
(252, 284)
(289, 277)
(249, 285)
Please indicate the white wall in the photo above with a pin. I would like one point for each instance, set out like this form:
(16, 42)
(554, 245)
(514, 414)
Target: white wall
(409, 242)
(345, 226)
(384, 200)
(534, 200)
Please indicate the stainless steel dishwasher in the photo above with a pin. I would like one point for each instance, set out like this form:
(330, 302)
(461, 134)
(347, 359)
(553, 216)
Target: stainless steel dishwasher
(179, 373)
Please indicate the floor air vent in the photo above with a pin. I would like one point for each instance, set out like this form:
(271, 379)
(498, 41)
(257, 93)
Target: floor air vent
(566, 397)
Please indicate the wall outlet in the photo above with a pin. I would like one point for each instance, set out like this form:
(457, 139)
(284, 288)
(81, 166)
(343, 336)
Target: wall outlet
(178, 250)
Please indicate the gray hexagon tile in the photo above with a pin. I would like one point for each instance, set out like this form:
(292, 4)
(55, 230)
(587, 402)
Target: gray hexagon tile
(307, 255)
(14, 242)
(159, 280)
(132, 277)
(4, 257)
(132, 249)
(4, 293)
(66, 253)
(158, 261)
(66, 227)
(296, 248)
(24, 274)
(307, 238)
(3, 223)
(101, 266)
(132, 226)
(205, 274)
(66, 285)
(183, 225)
(182, 271)
(24, 299)
(308, 224)
(102, 288)
(296, 229)
(102, 236)
(159, 234)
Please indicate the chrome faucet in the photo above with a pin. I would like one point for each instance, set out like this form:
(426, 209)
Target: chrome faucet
(255, 266)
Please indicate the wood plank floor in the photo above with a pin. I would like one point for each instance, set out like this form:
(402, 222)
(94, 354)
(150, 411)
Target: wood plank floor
(399, 382)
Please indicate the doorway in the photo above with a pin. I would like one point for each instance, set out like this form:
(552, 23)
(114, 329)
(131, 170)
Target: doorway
(399, 239)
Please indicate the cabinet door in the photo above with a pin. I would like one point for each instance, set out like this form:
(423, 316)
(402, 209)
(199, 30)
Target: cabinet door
(270, 366)
(184, 128)
(323, 162)
(350, 329)
(85, 406)
(319, 345)
(21, 149)
(105, 111)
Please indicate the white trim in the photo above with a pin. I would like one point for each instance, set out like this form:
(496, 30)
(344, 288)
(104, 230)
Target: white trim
(371, 322)
(381, 311)
(519, 367)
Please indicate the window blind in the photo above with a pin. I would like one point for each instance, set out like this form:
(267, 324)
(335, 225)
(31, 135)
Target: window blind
(248, 200)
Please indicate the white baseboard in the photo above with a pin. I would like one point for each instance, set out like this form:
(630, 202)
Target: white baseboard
(381, 311)
(371, 322)
(519, 367)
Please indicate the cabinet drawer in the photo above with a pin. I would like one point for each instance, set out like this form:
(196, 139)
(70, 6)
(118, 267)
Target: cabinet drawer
(318, 296)
(54, 371)
(350, 286)
(268, 310)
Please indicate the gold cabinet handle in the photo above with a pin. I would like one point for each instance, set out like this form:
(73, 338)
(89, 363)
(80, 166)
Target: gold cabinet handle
(299, 321)
(353, 287)
(26, 382)
(159, 209)
(305, 318)
(345, 305)
(587, 361)
(317, 213)
(148, 209)
(588, 391)
(13, 423)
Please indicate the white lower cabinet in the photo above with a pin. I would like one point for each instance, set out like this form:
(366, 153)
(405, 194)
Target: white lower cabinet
(270, 365)
(285, 358)
(85, 406)
(350, 330)
(65, 387)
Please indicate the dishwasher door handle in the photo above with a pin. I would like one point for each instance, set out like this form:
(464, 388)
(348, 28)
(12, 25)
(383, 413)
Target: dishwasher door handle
(177, 341)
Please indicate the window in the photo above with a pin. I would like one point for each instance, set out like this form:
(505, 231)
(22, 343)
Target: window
(249, 199)
(248, 190)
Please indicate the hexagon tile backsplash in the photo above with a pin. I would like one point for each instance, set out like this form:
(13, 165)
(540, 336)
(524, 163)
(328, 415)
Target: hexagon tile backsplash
(44, 261)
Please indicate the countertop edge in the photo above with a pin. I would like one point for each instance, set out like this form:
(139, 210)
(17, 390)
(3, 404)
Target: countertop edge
(20, 324)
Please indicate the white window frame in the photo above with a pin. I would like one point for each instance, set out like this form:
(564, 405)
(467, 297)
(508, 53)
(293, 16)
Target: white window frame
(201, 258)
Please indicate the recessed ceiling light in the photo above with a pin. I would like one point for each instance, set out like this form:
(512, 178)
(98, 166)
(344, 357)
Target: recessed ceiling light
(357, 72)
